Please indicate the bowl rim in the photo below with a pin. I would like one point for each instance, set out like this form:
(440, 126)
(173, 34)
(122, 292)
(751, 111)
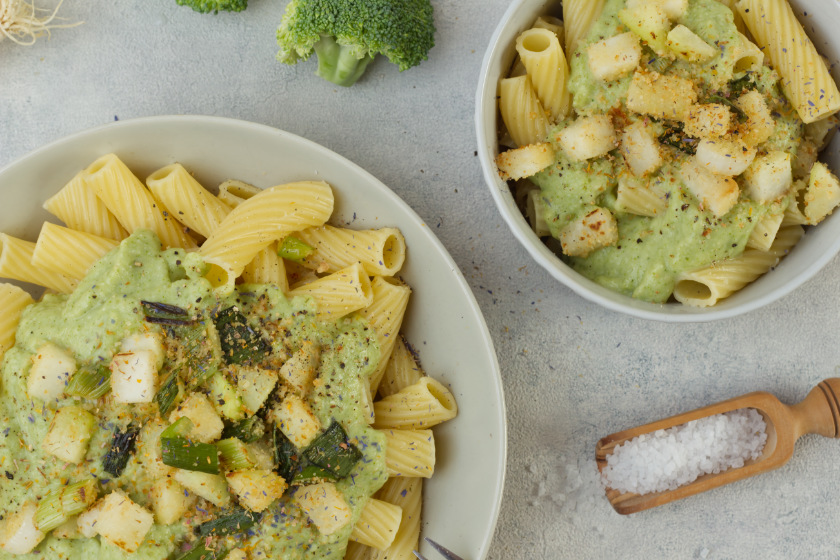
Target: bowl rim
(589, 290)
(477, 316)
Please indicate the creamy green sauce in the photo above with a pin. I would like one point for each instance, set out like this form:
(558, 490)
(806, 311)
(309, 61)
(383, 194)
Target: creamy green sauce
(651, 252)
(92, 322)
(709, 19)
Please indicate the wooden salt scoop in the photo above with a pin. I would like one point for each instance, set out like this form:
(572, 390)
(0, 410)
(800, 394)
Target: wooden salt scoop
(819, 414)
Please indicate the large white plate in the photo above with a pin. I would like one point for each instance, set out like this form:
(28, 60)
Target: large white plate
(443, 322)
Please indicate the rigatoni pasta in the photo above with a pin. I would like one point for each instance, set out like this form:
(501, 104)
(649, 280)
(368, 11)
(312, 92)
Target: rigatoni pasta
(541, 54)
(381, 252)
(408, 494)
(129, 200)
(377, 525)
(340, 293)
(184, 197)
(423, 404)
(402, 370)
(13, 300)
(62, 250)
(410, 453)
(805, 77)
(523, 114)
(385, 313)
(234, 192)
(267, 267)
(256, 223)
(705, 287)
(78, 206)
(16, 264)
(578, 17)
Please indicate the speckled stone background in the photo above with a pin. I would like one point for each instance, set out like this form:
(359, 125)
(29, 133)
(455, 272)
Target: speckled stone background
(572, 371)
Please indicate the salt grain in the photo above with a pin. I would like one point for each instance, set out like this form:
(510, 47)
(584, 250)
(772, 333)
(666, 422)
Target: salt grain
(667, 459)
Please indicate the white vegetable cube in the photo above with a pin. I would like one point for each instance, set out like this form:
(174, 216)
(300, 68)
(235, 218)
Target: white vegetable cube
(724, 156)
(587, 137)
(207, 426)
(685, 44)
(69, 434)
(640, 149)
(134, 376)
(254, 385)
(324, 505)
(88, 521)
(596, 229)
(296, 420)
(525, 161)
(122, 522)
(299, 370)
(614, 57)
(649, 22)
(663, 97)
(51, 370)
(674, 9)
(822, 194)
(225, 398)
(262, 453)
(708, 120)
(170, 501)
(211, 487)
(714, 192)
(256, 488)
(236, 554)
(68, 530)
(760, 124)
(152, 341)
(18, 534)
(769, 177)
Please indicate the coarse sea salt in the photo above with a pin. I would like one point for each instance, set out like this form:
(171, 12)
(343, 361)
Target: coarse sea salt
(667, 459)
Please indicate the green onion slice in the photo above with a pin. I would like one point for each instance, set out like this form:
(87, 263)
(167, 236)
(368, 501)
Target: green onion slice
(182, 427)
(182, 453)
(62, 504)
(240, 343)
(90, 382)
(238, 521)
(235, 455)
(333, 452)
(165, 397)
(248, 430)
(294, 249)
(122, 446)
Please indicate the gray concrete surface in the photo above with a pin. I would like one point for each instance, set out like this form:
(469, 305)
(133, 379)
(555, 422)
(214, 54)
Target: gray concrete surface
(573, 372)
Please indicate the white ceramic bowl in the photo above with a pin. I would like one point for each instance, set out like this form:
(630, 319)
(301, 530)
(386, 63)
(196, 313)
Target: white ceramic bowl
(443, 322)
(819, 245)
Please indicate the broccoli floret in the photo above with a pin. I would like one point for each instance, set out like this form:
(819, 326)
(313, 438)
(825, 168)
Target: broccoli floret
(205, 6)
(347, 34)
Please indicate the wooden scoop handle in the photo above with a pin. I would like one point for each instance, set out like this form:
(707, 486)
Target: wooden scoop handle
(819, 413)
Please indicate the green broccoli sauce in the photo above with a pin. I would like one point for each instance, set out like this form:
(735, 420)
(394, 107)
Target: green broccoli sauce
(92, 322)
(709, 19)
(571, 188)
(651, 252)
(589, 94)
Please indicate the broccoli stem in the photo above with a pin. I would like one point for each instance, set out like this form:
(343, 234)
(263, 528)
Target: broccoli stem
(338, 63)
